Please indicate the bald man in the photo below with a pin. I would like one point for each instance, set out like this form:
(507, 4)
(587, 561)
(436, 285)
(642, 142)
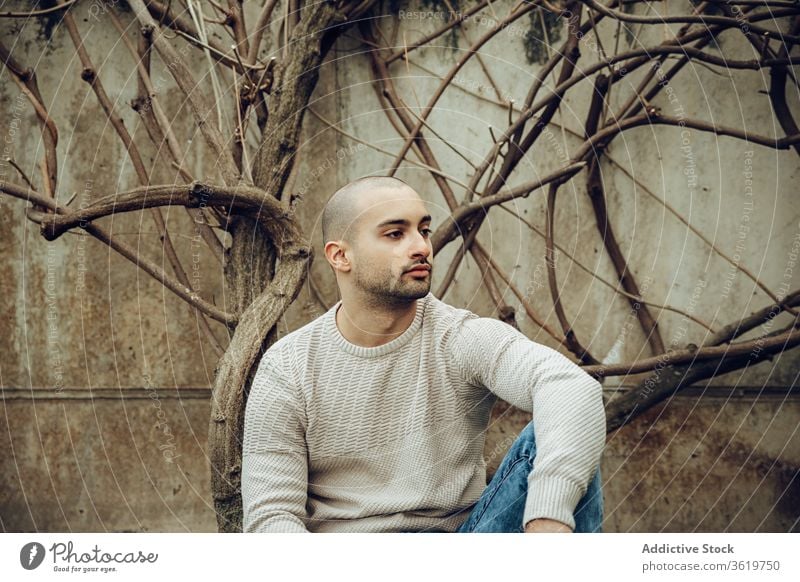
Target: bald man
(372, 417)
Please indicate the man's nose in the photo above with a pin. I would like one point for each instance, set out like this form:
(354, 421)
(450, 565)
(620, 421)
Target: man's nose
(420, 246)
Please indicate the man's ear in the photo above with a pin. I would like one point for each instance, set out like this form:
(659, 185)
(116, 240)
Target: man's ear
(336, 254)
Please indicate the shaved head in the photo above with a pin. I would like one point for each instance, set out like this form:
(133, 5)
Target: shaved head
(376, 236)
(340, 215)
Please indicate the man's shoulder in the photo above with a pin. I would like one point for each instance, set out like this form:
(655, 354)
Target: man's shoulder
(296, 343)
(441, 311)
(456, 329)
(463, 329)
(449, 316)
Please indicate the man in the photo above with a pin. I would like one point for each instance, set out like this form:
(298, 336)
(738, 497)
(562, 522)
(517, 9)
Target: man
(372, 417)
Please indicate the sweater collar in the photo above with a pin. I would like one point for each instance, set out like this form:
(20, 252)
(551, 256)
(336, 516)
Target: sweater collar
(364, 352)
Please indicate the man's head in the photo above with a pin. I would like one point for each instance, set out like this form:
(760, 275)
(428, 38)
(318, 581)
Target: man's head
(375, 230)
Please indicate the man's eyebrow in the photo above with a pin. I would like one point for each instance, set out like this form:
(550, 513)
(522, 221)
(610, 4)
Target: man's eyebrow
(403, 221)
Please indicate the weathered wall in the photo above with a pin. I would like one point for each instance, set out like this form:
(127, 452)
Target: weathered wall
(105, 374)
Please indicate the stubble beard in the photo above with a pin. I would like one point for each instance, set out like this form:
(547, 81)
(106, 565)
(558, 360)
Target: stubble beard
(384, 289)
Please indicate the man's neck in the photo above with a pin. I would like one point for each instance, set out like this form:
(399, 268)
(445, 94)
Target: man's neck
(370, 327)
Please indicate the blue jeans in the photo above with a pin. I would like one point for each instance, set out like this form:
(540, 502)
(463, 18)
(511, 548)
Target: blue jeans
(502, 503)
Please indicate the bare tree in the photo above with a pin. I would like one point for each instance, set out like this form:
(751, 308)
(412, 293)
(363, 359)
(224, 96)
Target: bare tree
(245, 195)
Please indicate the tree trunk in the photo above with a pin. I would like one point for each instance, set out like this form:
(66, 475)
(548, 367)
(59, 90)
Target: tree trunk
(268, 262)
(250, 265)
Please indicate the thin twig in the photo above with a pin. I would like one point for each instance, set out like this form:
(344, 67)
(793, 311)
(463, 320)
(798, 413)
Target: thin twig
(66, 4)
(21, 172)
(370, 145)
(196, 99)
(614, 288)
(473, 50)
(262, 24)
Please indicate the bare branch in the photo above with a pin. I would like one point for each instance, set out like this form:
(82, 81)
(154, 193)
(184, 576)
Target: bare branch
(473, 50)
(235, 15)
(294, 81)
(21, 173)
(126, 251)
(160, 129)
(705, 19)
(555, 93)
(614, 288)
(760, 317)
(26, 80)
(670, 378)
(187, 30)
(735, 264)
(513, 135)
(247, 198)
(596, 191)
(340, 131)
(90, 76)
(258, 32)
(386, 91)
(570, 338)
(462, 214)
(514, 289)
(202, 109)
(601, 139)
(458, 19)
(674, 357)
(44, 11)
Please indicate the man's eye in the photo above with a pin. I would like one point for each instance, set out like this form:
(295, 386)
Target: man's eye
(396, 234)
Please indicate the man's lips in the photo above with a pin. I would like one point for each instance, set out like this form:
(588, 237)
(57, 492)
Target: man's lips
(420, 269)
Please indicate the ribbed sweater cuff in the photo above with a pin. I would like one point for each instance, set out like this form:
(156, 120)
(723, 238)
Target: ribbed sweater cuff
(551, 497)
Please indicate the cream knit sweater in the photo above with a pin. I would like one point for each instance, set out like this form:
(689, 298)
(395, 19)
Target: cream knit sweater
(343, 438)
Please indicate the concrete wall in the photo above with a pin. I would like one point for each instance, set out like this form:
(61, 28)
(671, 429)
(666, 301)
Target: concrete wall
(105, 375)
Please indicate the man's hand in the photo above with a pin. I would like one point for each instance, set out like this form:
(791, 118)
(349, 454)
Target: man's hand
(543, 525)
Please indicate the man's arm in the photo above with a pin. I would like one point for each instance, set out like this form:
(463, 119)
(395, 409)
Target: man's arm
(274, 456)
(567, 405)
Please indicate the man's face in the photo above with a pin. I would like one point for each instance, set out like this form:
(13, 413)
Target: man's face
(393, 238)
